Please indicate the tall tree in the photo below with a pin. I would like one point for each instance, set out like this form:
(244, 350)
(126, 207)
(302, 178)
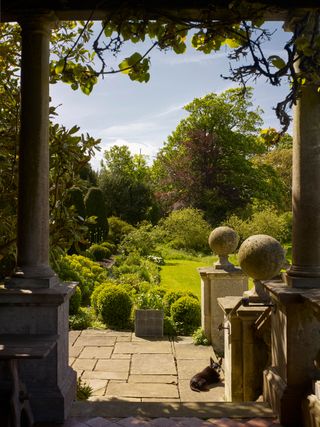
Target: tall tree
(125, 181)
(207, 162)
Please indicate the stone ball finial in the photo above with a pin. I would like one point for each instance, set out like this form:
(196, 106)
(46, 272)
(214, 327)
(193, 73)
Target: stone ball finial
(223, 241)
(261, 257)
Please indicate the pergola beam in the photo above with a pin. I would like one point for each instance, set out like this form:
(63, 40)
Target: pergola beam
(189, 9)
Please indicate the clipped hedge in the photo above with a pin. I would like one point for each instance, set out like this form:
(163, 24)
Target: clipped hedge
(113, 305)
(186, 313)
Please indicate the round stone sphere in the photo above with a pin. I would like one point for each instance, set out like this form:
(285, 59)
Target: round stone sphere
(261, 257)
(223, 240)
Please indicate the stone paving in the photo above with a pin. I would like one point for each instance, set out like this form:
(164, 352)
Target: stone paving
(121, 365)
(150, 376)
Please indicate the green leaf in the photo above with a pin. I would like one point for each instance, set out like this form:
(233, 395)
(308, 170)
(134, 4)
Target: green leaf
(276, 61)
(59, 67)
(232, 43)
(126, 65)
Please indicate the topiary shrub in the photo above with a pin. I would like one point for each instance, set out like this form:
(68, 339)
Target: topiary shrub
(75, 301)
(186, 313)
(114, 306)
(83, 270)
(172, 296)
(118, 229)
(96, 209)
(99, 252)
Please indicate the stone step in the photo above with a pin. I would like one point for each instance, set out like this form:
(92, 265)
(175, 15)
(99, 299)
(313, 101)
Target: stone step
(116, 408)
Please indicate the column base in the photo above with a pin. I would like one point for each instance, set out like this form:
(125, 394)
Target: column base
(50, 382)
(284, 401)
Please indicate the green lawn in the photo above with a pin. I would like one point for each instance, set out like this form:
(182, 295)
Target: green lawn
(182, 274)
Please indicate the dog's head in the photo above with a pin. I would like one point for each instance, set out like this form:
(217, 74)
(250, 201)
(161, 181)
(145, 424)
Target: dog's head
(216, 365)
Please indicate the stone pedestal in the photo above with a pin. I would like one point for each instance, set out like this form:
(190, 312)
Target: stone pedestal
(246, 354)
(148, 323)
(217, 284)
(50, 382)
(295, 343)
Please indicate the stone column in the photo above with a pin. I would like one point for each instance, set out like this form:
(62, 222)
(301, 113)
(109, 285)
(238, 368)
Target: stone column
(217, 284)
(305, 270)
(33, 200)
(34, 302)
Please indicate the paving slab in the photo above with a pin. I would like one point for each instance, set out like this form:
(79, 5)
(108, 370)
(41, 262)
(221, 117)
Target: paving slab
(164, 379)
(100, 422)
(84, 364)
(190, 351)
(105, 375)
(142, 390)
(73, 335)
(75, 350)
(187, 368)
(143, 347)
(95, 340)
(112, 365)
(120, 356)
(98, 386)
(146, 364)
(94, 352)
(215, 394)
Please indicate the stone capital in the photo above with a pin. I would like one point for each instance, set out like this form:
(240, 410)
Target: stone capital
(40, 21)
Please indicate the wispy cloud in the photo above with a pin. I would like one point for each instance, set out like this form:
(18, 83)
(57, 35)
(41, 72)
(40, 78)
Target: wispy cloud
(192, 58)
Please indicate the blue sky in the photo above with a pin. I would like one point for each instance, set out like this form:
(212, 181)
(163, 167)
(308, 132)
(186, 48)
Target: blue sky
(141, 116)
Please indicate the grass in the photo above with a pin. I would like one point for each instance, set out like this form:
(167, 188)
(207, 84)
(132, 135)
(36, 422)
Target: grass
(180, 272)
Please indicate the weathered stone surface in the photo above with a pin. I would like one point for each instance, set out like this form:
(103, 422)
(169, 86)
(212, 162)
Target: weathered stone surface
(95, 340)
(93, 352)
(100, 422)
(190, 351)
(98, 386)
(223, 240)
(215, 394)
(121, 356)
(142, 390)
(144, 364)
(142, 347)
(73, 335)
(164, 379)
(261, 257)
(84, 364)
(75, 350)
(112, 365)
(105, 375)
(187, 368)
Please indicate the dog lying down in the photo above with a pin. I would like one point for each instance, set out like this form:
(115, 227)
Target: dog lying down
(208, 376)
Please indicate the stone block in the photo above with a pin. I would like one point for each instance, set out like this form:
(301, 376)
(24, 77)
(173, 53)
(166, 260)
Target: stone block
(112, 365)
(143, 346)
(149, 323)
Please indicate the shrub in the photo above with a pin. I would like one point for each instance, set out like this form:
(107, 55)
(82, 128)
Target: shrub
(114, 306)
(82, 320)
(134, 264)
(118, 229)
(186, 229)
(111, 246)
(140, 240)
(75, 301)
(80, 269)
(267, 221)
(152, 298)
(186, 313)
(199, 337)
(172, 296)
(99, 252)
(169, 327)
(96, 208)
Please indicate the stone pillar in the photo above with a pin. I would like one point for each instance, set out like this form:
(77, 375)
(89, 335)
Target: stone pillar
(246, 353)
(295, 326)
(33, 302)
(216, 284)
(305, 270)
(33, 200)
